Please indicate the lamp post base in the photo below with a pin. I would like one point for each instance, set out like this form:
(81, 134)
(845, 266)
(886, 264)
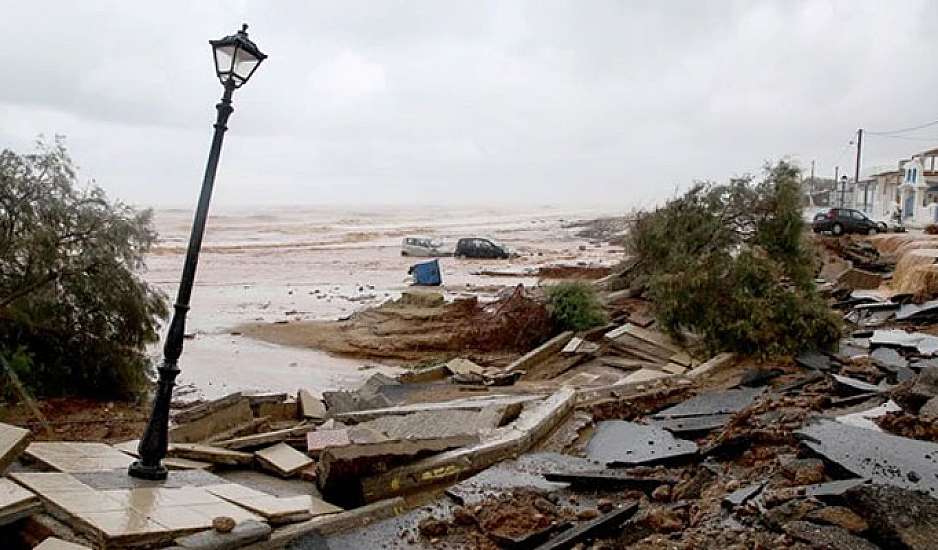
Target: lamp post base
(140, 470)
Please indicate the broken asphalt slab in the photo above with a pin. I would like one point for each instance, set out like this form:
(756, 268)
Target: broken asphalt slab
(524, 472)
(619, 443)
(881, 457)
(692, 425)
(712, 403)
(606, 523)
(924, 344)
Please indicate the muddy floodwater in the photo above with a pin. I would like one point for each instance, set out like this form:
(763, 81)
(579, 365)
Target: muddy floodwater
(291, 264)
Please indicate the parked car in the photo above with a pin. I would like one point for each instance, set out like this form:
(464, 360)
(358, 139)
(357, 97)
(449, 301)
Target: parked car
(422, 246)
(846, 220)
(479, 247)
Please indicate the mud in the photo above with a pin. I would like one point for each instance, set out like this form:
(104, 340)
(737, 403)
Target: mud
(303, 264)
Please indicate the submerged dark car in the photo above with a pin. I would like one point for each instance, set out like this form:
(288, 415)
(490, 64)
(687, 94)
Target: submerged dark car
(845, 220)
(477, 247)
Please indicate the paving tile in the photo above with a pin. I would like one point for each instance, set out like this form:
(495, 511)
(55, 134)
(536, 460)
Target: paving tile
(53, 543)
(644, 375)
(13, 440)
(16, 502)
(269, 506)
(74, 457)
(320, 440)
(283, 459)
(75, 502)
(118, 479)
(41, 482)
(121, 524)
(131, 515)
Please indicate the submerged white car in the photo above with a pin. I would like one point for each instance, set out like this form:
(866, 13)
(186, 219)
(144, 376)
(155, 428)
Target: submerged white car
(423, 246)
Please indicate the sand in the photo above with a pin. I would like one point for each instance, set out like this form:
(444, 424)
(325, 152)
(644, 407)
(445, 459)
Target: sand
(273, 265)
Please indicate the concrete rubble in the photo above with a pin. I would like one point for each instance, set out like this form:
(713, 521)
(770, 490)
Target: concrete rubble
(614, 437)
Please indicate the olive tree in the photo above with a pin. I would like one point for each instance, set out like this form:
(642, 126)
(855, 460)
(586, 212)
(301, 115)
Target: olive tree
(75, 316)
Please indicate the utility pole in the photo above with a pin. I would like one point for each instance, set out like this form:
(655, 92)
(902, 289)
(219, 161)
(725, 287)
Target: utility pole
(856, 173)
(812, 177)
(843, 186)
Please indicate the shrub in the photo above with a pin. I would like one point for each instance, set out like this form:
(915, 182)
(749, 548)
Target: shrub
(70, 298)
(575, 306)
(731, 263)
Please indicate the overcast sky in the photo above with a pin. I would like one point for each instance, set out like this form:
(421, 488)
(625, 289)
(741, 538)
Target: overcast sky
(580, 102)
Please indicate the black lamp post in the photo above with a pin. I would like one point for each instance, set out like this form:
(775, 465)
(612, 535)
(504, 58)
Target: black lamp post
(236, 59)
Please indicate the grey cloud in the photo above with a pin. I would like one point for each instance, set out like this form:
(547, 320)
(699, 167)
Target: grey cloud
(605, 102)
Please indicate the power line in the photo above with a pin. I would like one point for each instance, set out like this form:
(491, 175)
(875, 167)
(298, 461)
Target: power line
(908, 138)
(903, 130)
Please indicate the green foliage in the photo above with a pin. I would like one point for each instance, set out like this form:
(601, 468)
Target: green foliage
(730, 263)
(69, 293)
(575, 306)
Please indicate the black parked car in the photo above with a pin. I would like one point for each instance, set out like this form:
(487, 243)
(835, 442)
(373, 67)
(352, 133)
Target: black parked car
(476, 247)
(846, 220)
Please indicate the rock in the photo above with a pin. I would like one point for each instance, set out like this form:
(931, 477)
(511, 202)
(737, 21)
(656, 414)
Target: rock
(462, 516)
(930, 409)
(804, 471)
(431, 527)
(587, 514)
(839, 516)
(662, 493)
(223, 524)
(793, 510)
(693, 487)
(926, 385)
(662, 520)
(604, 504)
(828, 537)
(897, 518)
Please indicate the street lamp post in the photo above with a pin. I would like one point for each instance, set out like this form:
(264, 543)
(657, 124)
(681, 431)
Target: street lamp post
(236, 59)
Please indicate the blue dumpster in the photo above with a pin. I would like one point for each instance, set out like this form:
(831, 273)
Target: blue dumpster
(427, 273)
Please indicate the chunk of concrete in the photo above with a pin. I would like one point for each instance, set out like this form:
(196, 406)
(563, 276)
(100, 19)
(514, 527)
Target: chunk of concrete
(715, 363)
(534, 423)
(200, 423)
(539, 354)
(619, 443)
(710, 403)
(282, 459)
(340, 468)
(265, 438)
(320, 440)
(898, 518)
(854, 385)
(211, 454)
(310, 406)
(741, 496)
(881, 457)
(244, 533)
(645, 375)
(428, 425)
(13, 441)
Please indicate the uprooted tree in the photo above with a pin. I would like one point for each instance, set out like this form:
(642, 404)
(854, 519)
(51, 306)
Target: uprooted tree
(74, 316)
(730, 263)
